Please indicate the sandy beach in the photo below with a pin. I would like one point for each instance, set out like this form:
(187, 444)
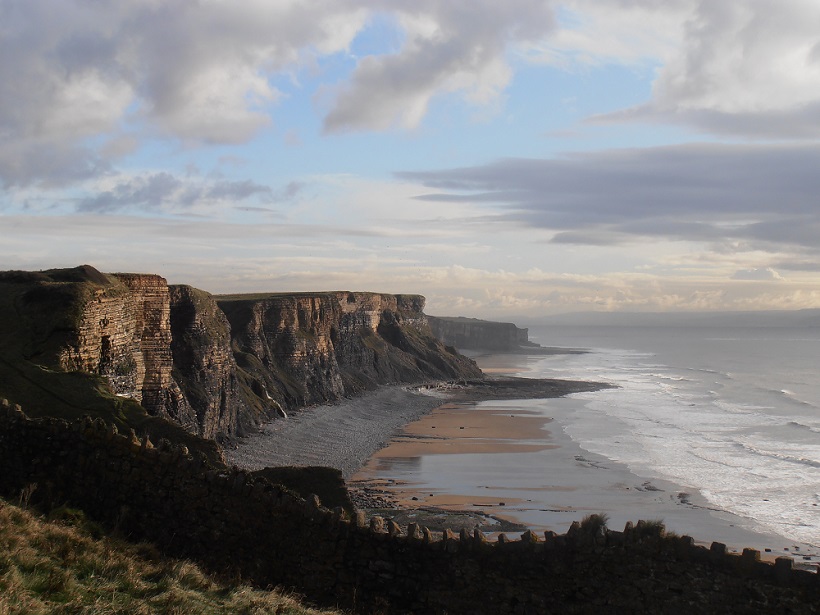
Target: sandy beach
(488, 457)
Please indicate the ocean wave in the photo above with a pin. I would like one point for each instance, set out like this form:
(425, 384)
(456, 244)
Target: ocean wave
(792, 396)
(668, 377)
(780, 456)
(803, 426)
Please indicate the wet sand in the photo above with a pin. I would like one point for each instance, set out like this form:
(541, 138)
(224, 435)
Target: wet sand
(345, 434)
(510, 460)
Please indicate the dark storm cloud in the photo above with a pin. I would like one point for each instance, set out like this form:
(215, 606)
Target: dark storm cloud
(703, 192)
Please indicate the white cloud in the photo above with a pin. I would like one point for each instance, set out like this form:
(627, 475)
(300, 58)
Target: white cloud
(747, 67)
(763, 273)
(455, 46)
(592, 32)
(77, 70)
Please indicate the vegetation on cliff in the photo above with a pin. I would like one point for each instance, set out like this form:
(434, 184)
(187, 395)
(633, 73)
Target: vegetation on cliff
(65, 564)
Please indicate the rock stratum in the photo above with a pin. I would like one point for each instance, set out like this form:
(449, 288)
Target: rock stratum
(475, 334)
(130, 347)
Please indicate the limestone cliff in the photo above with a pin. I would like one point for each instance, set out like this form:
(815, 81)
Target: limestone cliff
(79, 340)
(472, 333)
(309, 348)
(204, 365)
(124, 334)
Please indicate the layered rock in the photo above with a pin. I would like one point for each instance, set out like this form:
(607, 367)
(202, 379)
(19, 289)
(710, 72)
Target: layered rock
(216, 369)
(204, 365)
(309, 348)
(161, 394)
(124, 334)
(472, 333)
(107, 340)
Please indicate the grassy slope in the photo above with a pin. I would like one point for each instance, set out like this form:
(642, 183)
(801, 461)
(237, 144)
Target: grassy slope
(66, 566)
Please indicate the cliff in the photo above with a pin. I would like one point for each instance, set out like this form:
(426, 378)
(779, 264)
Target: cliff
(126, 345)
(474, 334)
(308, 348)
(204, 366)
(77, 342)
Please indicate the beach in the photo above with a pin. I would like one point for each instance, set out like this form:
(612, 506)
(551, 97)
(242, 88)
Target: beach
(342, 435)
(345, 434)
(491, 457)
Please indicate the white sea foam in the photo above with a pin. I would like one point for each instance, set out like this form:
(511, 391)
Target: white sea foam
(710, 413)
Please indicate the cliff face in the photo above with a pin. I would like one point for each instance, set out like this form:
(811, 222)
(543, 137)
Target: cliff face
(215, 369)
(479, 334)
(204, 365)
(124, 334)
(304, 349)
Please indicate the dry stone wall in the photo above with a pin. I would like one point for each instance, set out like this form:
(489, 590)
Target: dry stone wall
(236, 521)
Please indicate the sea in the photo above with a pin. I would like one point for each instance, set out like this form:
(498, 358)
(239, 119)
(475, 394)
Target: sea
(732, 411)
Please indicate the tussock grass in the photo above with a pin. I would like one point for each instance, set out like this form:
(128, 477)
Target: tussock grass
(61, 566)
(594, 522)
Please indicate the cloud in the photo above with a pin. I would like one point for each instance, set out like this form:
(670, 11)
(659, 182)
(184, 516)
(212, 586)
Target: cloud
(79, 80)
(164, 192)
(762, 195)
(766, 273)
(748, 68)
(197, 72)
(628, 32)
(456, 46)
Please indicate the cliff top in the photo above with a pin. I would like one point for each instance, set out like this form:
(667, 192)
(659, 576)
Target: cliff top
(326, 293)
(467, 319)
(83, 273)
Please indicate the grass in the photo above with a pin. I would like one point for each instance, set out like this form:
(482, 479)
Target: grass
(65, 565)
(594, 522)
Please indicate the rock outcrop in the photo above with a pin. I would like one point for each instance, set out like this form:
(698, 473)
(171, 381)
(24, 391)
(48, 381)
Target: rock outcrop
(308, 348)
(217, 367)
(124, 334)
(475, 334)
(204, 365)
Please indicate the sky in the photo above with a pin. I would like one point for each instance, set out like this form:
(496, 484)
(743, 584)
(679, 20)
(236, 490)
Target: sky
(504, 159)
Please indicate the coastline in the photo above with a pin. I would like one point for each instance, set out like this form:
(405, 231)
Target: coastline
(512, 462)
(341, 435)
(381, 440)
(345, 434)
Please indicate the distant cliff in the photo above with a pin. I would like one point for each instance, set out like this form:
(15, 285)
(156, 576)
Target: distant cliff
(474, 334)
(78, 340)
